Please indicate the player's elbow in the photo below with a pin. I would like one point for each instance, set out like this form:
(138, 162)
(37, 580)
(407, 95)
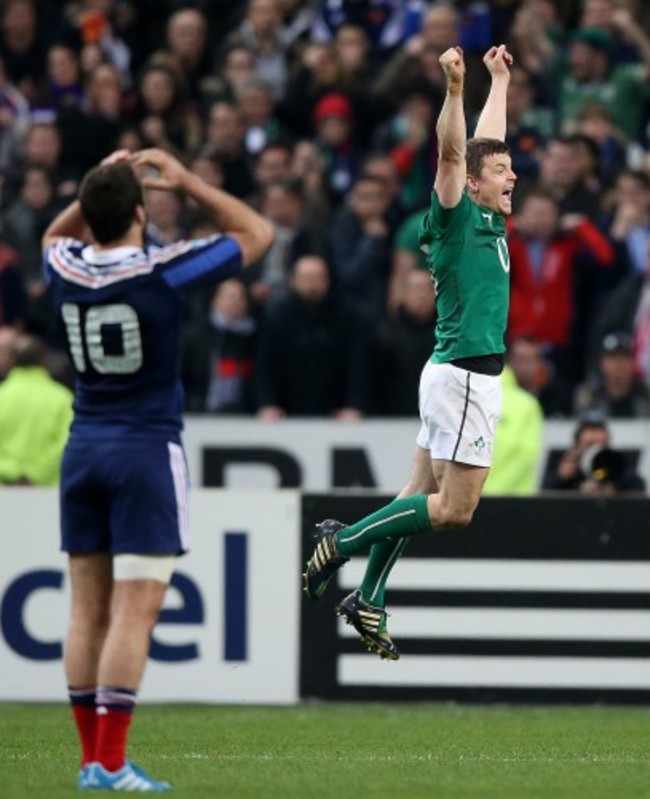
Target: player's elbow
(451, 155)
(257, 241)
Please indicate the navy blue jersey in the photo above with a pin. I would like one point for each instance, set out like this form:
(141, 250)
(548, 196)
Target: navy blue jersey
(122, 311)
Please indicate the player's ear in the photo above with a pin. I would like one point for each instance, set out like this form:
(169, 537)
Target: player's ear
(140, 215)
(472, 185)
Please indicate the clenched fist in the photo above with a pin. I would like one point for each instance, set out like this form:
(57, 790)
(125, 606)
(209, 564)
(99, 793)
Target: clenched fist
(453, 65)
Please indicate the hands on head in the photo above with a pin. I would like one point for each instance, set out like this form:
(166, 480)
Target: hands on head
(154, 168)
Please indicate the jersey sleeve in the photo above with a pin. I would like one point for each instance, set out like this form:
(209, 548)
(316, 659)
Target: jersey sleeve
(187, 263)
(442, 223)
(59, 252)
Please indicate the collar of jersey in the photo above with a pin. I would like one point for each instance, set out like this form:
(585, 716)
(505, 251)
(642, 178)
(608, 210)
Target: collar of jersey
(114, 255)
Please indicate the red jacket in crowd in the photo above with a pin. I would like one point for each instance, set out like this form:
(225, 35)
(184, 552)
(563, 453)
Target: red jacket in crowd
(543, 307)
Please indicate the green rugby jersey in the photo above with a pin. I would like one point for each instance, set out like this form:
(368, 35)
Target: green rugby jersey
(467, 254)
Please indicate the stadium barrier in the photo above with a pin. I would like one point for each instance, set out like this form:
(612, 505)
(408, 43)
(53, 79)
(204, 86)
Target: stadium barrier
(539, 600)
(325, 455)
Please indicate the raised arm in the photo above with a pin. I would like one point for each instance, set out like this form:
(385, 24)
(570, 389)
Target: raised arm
(492, 119)
(452, 132)
(233, 217)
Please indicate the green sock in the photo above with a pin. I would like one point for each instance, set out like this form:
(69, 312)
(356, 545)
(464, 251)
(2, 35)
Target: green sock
(383, 556)
(403, 517)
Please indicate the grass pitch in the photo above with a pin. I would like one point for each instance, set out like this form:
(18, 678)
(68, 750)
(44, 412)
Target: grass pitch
(349, 751)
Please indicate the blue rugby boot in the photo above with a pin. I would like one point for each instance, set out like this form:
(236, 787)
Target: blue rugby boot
(129, 778)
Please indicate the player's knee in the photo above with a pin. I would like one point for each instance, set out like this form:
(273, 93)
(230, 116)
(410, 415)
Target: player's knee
(94, 618)
(452, 517)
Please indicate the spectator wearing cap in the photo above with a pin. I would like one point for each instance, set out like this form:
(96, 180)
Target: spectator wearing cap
(333, 124)
(589, 77)
(616, 390)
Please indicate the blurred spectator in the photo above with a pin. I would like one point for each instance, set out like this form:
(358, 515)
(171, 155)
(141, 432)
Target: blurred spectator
(616, 390)
(629, 220)
(382, 167)
(209, 170)
(308, 167)
(273, 163)
(63, 86)
(282, 205)
(517, 443)
(527, 125)
(313, 352)
(257, 109)
(535, 374)
(42, 147)
(297, 18)
(89, 130)
(262, 33)
(100, 27)
(187, 42)
(353, 47)
(559, 174)
(237, 67)
(627, 309)
(218, 354)
(577, 466)
(21, 48)
(585, 154)
(164, 117)
(602, 14)
(383, 21)
(534, 35)
(589, 76)
(409, 137)
(359, 249)
(14, 120)
(596, 122)
(225, 142)
(544, 301)
(317, 72)
(13, 298)
(164, 209)
(25, 221)
(333, 123)
(416, 63)
(35, 416)
(8, 338)
(406, 257)
(104, 88)
(404, 344)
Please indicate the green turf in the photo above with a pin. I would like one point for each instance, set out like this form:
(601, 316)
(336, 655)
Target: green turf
(346, 751)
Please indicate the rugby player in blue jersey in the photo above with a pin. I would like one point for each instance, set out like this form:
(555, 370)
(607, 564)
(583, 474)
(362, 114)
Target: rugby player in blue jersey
(124, 479)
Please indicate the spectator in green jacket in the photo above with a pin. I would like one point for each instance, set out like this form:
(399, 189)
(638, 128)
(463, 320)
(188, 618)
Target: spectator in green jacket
(518, 442)
(35, 416)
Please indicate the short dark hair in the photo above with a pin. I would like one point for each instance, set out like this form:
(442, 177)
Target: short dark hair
(109, 196)
(478, 149)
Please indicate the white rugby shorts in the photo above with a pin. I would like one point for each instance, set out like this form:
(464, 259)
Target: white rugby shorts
(459, 412)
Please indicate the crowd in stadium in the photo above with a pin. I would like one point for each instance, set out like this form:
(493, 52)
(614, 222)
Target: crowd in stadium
(321, 114)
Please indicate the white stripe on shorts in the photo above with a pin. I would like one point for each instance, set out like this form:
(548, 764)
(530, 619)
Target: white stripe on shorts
(180, 478)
